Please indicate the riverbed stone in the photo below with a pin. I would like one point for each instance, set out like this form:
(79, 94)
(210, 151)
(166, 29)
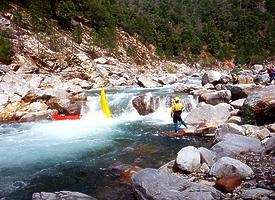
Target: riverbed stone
(188, 159)
(146, 104)
(211, 77)
(257, 193)
(65, 106)
(269, 145)
(36, 116)
(167, 79)
(235, 120)
(226, 166)
(62, 195)
(209, 113)
(207, 156)
(155, 185)
(146, 82)
(229, 128)
(261, 78)
(238, 103)
(37, 106)
(233, 144)
(259, 107)
(239, 91)
(215, 97)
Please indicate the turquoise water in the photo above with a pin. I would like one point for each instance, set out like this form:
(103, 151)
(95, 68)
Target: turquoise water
(75, 155)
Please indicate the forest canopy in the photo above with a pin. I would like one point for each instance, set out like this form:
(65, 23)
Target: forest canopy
(239, 29)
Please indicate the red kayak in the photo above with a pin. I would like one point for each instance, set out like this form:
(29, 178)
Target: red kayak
(65, 117)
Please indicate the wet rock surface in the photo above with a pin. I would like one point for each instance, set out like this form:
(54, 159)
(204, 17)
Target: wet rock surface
(62, 195)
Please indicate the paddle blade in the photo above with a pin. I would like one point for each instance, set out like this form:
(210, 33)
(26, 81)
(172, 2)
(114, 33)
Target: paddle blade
(104, 104)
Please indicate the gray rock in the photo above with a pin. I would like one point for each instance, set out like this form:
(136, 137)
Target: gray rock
(229, 128)
(37, 106)
(209, 113)
(232, 144)
(207, 156)
(155, 185)
(271, 127)
(36, 116)
(204, 168)
(168, 167)
(236, 120)
(188, 159)
(209, 86)
(240, 91)
(146, 104)
(262, 134)
(4, 99)
(101, 60)
(260, 106)
(261, 78)
(211, 77)
(226, 166)
(269, 145)
(147, 82)
(62, 195)
(167, 79)
(256, 193)
(256, 68)
(237, 103)
(65, 106)
(225, 79)
(115, 80)
(216, 97)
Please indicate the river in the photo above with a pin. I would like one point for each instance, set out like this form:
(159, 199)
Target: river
(75, 155)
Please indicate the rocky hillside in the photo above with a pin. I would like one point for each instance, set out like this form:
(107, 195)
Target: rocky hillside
(47, 74)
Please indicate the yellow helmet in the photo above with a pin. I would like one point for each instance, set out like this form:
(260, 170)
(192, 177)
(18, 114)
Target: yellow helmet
(176, 98)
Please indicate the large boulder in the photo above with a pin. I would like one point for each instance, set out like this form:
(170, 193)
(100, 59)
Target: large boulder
(146, 104)
(208, 113)
(155, 185)
(259, 107)
(229, 128)
(240, 91)
(256, 68)
(226, 166)
(207, 156)
(65, 106)
(188, 159)
(168, 79)
(261, 78)
(36, 116)
(147, 82)
(37, 106)
(62, 195)
(9, 112)
(216, 97)
(211, 77)
(232, 144)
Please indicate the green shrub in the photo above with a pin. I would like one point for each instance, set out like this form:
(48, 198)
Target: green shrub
(131, 51)
(5, 48)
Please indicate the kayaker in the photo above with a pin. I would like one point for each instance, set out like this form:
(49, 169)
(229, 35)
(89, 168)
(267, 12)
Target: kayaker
(176, 111)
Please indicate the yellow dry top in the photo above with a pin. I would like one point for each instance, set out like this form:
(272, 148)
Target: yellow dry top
(177, 107)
